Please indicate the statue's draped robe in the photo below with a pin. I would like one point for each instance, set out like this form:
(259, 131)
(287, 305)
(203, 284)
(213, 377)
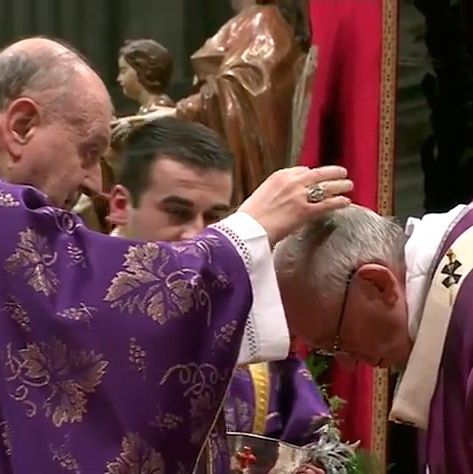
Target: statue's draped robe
(247, 74)
(115, 356)
(435, 392)
(278, 399)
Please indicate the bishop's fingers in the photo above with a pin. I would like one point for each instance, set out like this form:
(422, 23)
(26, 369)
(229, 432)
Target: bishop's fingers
(334, 188)
(327, 205)
(324, 173)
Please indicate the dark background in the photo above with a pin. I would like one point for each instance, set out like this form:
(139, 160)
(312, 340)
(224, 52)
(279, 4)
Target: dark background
(99, 27)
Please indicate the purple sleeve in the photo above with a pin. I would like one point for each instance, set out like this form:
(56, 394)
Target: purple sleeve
(306, 409)
(115, 355)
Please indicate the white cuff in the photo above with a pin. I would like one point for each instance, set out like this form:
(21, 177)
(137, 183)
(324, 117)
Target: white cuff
(266, 335)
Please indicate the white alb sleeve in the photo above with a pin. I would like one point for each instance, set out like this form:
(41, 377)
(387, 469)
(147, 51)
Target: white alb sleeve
(266, 335)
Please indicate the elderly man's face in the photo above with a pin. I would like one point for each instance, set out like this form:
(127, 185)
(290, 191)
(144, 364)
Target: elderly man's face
(58, 154)
(367, 322)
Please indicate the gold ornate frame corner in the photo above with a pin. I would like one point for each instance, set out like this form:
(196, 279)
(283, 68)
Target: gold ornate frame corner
(387, 128)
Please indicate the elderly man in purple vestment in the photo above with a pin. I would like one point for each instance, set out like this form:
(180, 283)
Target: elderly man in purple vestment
(394, 300)
(116, 355)
(176, 178)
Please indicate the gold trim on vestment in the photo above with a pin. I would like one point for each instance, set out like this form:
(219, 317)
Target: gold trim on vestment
(411, 404)
(387, 129)
(261, 385)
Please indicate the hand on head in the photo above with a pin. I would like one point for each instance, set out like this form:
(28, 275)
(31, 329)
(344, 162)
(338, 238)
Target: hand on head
(282, 203)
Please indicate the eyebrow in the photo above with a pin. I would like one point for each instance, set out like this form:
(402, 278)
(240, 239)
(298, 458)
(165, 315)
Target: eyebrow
(186, 202)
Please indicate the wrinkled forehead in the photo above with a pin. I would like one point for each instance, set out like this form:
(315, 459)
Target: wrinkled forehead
(91, 114)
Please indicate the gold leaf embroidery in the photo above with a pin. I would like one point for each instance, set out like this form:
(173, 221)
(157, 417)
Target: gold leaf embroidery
(64, 458)
(33, 253)
(65, 378)
(224, 336)
(65, 221)
(144, 285)
(17, 313)
(82, 313)
(6, 437)
(166, 421)
(198, 248)
(7, 200)
(199, 382)
(137, 357)
(76, 254)
(137, 457)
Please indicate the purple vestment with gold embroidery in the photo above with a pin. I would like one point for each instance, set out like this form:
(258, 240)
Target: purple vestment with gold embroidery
(292, 406)
(449, 437)
(116, 356)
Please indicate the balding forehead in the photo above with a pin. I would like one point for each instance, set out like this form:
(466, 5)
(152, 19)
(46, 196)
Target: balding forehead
(38, 45)
(43, 66)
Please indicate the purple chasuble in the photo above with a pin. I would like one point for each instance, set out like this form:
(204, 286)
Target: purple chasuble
(449, 437)
(116, 356)
(295, 408)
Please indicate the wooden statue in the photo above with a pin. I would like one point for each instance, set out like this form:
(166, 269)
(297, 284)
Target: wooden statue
(246, 78)
(145, 70)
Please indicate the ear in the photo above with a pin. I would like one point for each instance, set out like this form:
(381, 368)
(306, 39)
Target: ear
(120, 202)
(378, 282)
(21, 120)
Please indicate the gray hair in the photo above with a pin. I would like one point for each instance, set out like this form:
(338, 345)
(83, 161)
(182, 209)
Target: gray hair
(327, 250)
(45, 72)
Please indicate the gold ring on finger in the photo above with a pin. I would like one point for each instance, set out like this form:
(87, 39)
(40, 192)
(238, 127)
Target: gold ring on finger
(316, 193)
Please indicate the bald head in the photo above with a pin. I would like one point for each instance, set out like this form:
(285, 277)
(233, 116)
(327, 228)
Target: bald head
(46, 86)
(48, 70)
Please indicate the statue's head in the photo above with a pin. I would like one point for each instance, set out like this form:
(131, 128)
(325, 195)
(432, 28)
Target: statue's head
(144, 64)
(342, 281)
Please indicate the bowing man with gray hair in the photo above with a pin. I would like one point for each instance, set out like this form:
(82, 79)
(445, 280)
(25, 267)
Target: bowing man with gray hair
(394, 299)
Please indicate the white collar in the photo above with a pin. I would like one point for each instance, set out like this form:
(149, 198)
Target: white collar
(425, 237)
(416, 385)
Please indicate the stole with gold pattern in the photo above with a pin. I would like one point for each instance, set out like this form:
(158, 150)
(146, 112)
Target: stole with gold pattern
(115, 356)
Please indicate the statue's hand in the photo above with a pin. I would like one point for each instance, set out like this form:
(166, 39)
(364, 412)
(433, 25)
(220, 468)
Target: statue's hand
(309, 469)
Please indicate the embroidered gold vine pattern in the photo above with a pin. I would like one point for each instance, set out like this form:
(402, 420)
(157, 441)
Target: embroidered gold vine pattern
(136, 457)
(33, 254)
(168, 295)
(17, 313)
(64, 377)
(199, 382)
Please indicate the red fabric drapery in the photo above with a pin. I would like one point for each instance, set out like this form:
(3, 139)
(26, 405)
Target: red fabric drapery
(348, 124)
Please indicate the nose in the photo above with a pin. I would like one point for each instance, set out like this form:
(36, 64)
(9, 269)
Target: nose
(93, 179)
(193, 228)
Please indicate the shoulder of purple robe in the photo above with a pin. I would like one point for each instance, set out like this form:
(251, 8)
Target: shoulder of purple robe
(303, 407)
(115, 355)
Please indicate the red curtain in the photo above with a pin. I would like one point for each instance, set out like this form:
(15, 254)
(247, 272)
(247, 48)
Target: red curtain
(344, 127)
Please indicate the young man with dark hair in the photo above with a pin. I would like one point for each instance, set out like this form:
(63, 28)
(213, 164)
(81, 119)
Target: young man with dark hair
(176, 179)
